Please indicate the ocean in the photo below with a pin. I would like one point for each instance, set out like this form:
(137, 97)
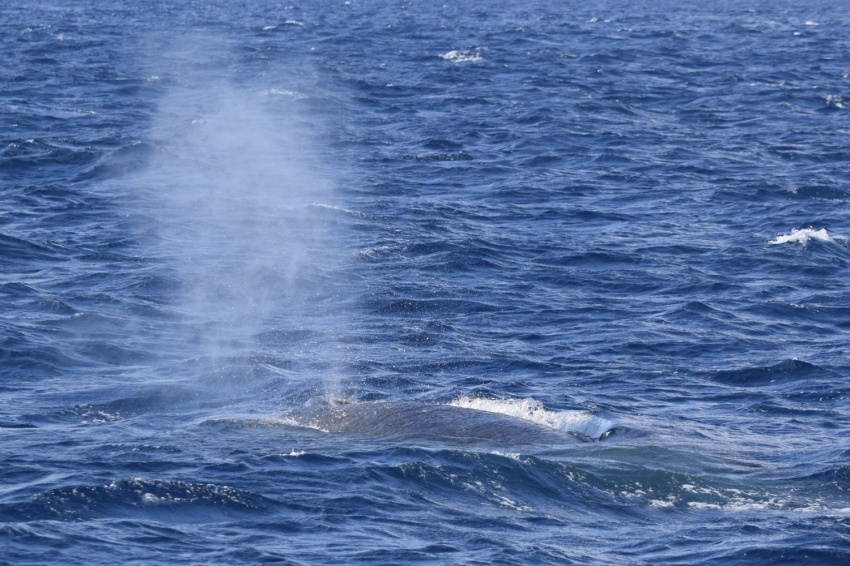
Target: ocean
(362, 282)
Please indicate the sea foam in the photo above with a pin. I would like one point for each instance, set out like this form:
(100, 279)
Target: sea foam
(581, 423)
(803, 236)
(456, 56)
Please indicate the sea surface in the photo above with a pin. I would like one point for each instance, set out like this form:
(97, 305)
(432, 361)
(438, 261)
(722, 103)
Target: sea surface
(343, 282)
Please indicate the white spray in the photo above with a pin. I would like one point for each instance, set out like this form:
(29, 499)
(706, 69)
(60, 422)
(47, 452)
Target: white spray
(239, 203)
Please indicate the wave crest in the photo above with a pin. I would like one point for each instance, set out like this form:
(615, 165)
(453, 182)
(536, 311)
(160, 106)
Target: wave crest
(803, 236)
(582, 423)
(457, 56)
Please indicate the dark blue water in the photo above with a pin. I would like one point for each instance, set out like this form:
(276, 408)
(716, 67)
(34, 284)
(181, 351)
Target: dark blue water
(620, 225)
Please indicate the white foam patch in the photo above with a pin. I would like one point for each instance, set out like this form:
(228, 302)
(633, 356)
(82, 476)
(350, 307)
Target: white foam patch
(579, 422)
(456, 56)
(303, 424)
(803, 236)
(151, 499)
(836, 101)
(512, 455)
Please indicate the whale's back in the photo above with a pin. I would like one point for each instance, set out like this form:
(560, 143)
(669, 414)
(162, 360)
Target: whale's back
(426, 421)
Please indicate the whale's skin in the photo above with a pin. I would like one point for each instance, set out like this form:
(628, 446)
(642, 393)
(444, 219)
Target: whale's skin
(408, 419)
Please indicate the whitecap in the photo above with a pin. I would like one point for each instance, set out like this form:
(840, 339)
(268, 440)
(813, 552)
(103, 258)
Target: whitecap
(512, 455)
(582, 423)
(510, 503)
(803, 236)
(151, 499)
(836, 101)
(456, 56)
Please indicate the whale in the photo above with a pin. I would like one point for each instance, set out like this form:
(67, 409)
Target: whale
(434, 422)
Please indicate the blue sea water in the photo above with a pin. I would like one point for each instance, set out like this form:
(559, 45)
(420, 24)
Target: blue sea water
(623, 225)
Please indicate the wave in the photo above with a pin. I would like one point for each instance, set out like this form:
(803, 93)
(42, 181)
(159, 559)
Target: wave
(16, 425)
(785, 371)
(180, 500)
(836, 101)
(803, 236)
(580, 423)
(457, 56)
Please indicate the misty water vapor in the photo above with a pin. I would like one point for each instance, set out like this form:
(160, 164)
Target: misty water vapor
(239, 206)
